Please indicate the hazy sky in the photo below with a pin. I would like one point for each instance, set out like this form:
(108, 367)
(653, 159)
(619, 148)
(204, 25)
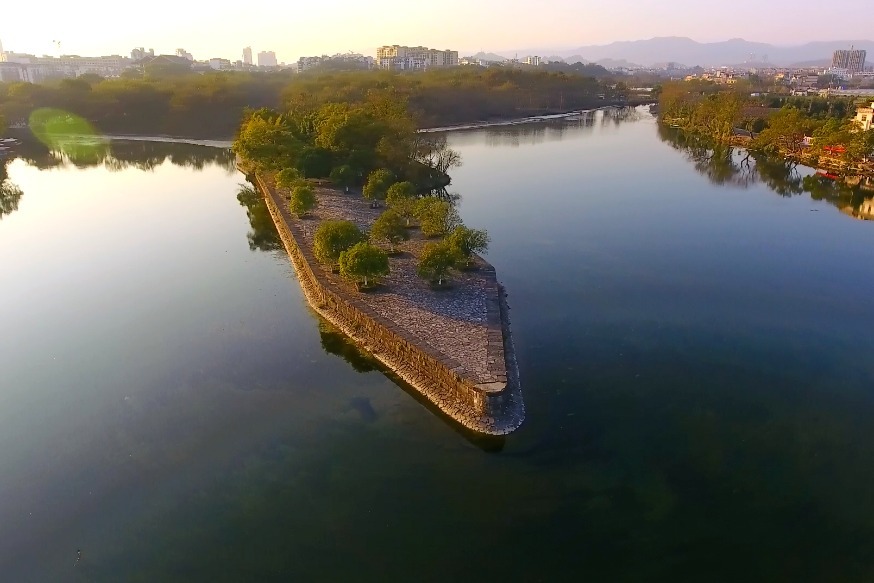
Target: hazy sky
(294, 28)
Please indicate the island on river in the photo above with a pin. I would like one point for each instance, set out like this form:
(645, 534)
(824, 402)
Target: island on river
(452, 346)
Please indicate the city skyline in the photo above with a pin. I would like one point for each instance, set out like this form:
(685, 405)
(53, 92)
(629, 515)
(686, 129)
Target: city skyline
(493, 26)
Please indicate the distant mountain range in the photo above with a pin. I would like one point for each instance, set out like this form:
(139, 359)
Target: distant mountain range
(692, 53)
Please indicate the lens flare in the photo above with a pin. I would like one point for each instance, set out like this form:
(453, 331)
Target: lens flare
(69, 134)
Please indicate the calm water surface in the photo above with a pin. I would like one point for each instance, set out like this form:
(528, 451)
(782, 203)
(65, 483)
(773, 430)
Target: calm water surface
(695, 340)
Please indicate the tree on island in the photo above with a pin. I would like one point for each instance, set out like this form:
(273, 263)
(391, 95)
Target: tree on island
(363, 263)
(389, 227)
(315, 162)
(343, 176)
(288, 178)
(465, 242)
(436, 261)
(401, 198)
(437, 217)
(378, 183)
(303, 199)
(334, 237)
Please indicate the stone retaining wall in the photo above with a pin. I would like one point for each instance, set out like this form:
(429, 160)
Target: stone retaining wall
(494, 408)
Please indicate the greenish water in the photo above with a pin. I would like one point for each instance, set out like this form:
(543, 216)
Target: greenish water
(694, 338)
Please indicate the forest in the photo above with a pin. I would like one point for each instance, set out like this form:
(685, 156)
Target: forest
(212, 105)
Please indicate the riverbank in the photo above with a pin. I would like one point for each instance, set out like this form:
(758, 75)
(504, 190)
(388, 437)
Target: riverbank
(453, 347)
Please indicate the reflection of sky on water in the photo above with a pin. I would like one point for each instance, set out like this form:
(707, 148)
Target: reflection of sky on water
(528, 133)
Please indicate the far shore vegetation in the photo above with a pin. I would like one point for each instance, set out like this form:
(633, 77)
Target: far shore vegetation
(817, 131)
(171, 100)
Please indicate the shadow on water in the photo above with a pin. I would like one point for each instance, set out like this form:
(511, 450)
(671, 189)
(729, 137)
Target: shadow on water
(728, 165)
(336, 343)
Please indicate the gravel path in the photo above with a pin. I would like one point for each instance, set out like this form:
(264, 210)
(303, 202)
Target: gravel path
(452, 321)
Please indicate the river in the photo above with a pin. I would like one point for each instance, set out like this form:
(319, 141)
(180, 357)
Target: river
(694, 333)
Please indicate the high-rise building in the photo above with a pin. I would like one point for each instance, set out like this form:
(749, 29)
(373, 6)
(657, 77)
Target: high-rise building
(1, 47)
(247, 56)
(853, 60)
(267, 59)
(184, 54)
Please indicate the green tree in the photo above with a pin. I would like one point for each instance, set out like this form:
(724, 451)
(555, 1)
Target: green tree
(363, 262)
(465, 242)
(266, 140)
(378, 183)
(288, 178)
(303, 199)
(315, 162)
(436, 262)
(343, 176)
(400, 189)
(437, 217)
(334, 237)
(401, 199)
(389, 227)
(785, 132)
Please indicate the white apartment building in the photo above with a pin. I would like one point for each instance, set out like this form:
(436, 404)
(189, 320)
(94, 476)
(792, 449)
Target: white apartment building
(412, 58)
(534, 61)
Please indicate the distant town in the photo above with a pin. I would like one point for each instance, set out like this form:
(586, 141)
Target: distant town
(34, 69)
(848, 70)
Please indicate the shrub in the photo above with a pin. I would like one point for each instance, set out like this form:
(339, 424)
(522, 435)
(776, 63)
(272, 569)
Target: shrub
(389, 227)
(303, 199)
(334, 237)
(363, 263)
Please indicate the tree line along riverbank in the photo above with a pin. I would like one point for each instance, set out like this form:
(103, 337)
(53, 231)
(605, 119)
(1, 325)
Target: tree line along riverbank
(211, 105)
(814, 131)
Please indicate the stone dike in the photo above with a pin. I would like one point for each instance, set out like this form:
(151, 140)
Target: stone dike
(455, 350)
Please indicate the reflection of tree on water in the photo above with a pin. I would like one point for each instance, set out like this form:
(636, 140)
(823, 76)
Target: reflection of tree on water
(617, 115)
(726, 165)
(780, 175)
(10, 194)
(117, 156)
(336, 343)
(263, 236)
(120, 155)
(721, 164)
